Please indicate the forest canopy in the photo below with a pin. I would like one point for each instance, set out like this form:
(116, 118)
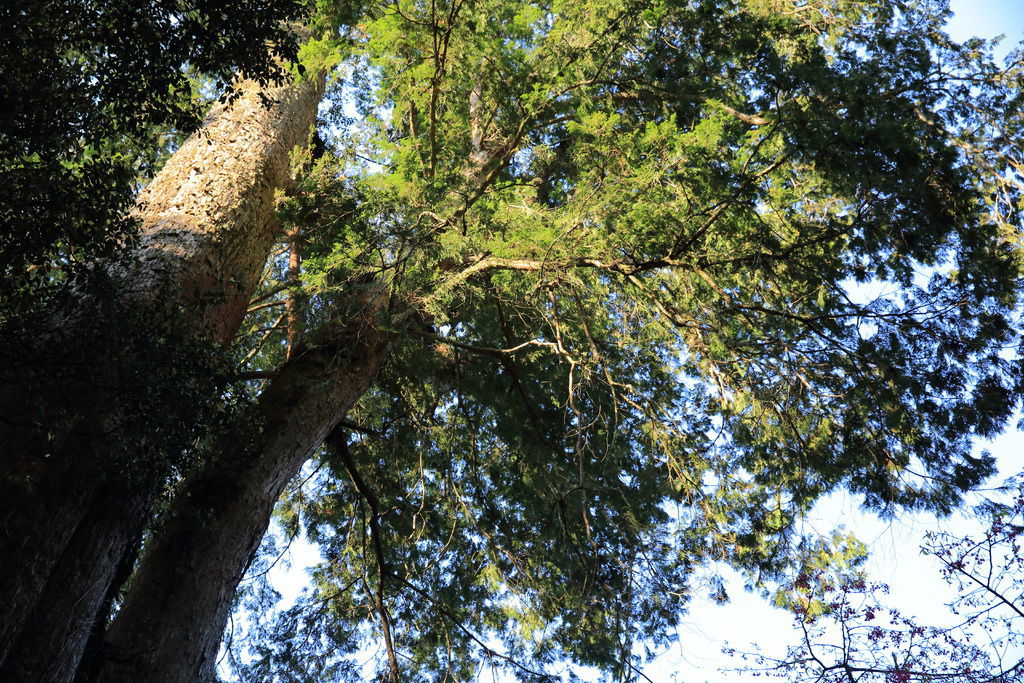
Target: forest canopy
(547, 305)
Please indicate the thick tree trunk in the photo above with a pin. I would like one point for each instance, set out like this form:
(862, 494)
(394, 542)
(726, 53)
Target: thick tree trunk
(53, 639)
(208, 217)
(170, 626)
(68, 511)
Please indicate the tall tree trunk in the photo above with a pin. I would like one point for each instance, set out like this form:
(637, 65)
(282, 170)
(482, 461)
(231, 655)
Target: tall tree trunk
(209, 215)
(68, 511)
(170, 626)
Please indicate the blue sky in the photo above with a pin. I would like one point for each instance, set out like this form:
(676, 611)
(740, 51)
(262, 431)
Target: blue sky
(987, 19)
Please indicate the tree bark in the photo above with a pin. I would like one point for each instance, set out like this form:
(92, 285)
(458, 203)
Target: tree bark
(68, 512)
(208, 217)
(54, 637)
(170, 626)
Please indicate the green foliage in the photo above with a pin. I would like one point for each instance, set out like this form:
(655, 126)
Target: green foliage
(158, 388)
(666, 273)
(824, 566)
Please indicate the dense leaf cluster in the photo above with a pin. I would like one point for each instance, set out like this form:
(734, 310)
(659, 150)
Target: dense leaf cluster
(91, 90)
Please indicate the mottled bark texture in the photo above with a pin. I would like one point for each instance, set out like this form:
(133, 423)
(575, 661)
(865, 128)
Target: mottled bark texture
(170, 626)
(69, 509)
(208, 217)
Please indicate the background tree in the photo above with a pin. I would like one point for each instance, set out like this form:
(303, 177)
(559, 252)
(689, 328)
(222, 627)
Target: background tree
(851, 634)
(578, 262)
(90, 90)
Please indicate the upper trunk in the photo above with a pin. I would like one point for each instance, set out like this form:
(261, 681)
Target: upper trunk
(209, 216)
(70, 511)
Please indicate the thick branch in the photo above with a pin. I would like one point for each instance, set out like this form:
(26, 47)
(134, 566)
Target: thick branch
(339, 446)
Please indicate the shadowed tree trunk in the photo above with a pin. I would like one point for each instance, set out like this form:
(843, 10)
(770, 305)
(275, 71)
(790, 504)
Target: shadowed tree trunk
(170, 625)
(206, 232)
